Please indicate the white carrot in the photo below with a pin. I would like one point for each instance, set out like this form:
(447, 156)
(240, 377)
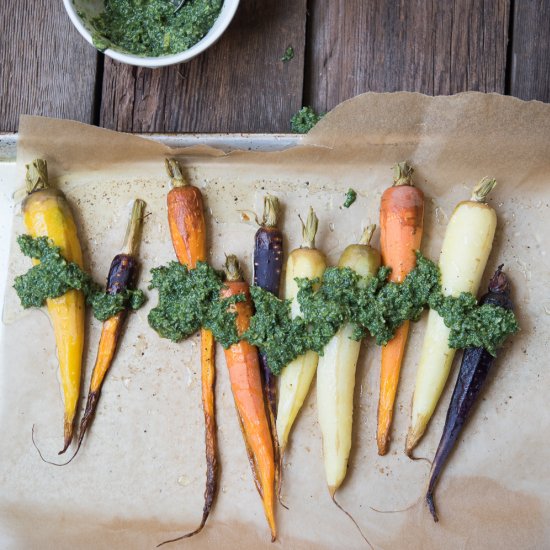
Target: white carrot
(336, 373)
(296, 377)
(466, 247)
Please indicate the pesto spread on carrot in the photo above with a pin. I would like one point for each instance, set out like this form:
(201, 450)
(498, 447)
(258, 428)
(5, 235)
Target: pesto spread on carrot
(54, 276)
(189, 299)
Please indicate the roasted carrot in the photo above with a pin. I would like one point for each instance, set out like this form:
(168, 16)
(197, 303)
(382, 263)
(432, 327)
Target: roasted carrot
(466, 247)
(401, 222)
(336, 372)
(295, 380)
(122, 275)
(188, 232)
(476, 364)
(246, 384)
(268, 264)
(46, 213)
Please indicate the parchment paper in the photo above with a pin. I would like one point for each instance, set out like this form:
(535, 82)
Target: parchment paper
(139, 478)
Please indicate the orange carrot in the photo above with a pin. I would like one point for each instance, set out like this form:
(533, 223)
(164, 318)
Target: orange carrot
(401, 219)
(246, 383)
(188, 232)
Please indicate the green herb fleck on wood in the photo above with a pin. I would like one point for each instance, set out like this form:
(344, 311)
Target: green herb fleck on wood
(288, 55)
(304, 120)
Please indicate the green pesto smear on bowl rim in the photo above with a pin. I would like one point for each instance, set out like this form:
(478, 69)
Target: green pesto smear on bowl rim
(189, 299)
(153, 28)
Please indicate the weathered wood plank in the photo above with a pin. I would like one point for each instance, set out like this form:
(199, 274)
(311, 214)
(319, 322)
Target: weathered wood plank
(46, 67)
(416, 45)
(238, 85)
(530, 60)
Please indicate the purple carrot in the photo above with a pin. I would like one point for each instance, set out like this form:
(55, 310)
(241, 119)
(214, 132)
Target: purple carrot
(268, 264)
(476, 363)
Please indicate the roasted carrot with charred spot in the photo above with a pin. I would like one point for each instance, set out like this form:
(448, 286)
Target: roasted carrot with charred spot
(46, 213)
(401, 222)
(246, 384)
(268, 264)
(122, 276)
(476, 363)
(188, 232)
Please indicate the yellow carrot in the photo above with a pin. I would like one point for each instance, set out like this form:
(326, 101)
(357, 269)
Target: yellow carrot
(46, 213)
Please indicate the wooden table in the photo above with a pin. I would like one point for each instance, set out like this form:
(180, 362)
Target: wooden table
(342, 48)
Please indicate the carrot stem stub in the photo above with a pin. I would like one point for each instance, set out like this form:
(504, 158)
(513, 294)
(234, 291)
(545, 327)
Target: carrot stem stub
(401, 223)
(246, 385)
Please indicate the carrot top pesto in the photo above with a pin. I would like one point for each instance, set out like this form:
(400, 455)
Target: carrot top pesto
(154, 27)
(189, 299)
(54, 276)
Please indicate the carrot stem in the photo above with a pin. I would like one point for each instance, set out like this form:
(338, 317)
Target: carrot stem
(366, 237)
(482, 189)
(175, 173)
(309, 229)
(36, 176)
(133, 231)
(402, 174)
(271, 211)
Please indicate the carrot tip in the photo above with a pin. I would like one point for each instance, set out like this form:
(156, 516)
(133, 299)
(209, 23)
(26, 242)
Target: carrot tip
(431, 505)
(383, 444)
(68, 436)
(413, 437)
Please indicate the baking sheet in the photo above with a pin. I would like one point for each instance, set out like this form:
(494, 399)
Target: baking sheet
(140, 476)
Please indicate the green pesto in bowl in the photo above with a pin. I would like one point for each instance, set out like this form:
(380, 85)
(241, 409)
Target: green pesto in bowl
(153, 28)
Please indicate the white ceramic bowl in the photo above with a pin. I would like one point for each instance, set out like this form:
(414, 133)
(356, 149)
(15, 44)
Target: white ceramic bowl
(91, 8)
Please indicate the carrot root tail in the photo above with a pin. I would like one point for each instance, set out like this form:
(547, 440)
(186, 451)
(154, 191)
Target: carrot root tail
(332, 491)
(431, 505)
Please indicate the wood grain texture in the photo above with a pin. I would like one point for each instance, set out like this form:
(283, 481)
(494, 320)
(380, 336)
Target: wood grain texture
(530, 59)
(238, 85)
(46, 67)
(434, 47)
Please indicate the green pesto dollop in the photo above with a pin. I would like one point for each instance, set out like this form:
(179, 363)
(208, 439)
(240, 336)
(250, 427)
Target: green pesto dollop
(304, 120)
(154, 27)
(351, 197)
(54, 276)
(475, 326)
(272, 325)
(190, 299)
